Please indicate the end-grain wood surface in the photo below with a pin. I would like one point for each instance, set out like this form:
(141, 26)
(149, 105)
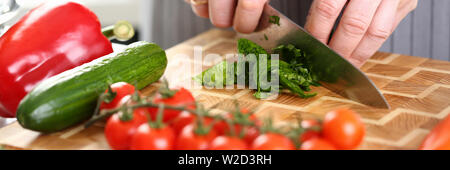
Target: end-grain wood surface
(418, 90)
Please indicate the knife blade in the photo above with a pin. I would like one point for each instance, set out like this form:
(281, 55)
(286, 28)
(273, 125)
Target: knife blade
(333, 71)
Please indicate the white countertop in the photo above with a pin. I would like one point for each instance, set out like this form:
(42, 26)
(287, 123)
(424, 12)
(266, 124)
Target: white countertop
(4, 122)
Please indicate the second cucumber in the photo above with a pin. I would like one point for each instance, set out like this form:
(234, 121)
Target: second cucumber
(70, 97)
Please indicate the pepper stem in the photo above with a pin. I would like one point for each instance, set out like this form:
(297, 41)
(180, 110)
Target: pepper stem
(122, 31)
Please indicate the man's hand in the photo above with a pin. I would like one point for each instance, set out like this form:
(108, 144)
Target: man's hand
(364, 27)
(242, 15)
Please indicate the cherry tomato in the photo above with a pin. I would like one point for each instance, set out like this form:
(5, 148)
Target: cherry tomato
(317, 144)
(119, 133)
(309, 134)
(250, 133)
(189, 140)
(147, 138)
(343, 128)
(121, 89)
(185, 118)
(222, 127)
(182, 97)
(310, 123)
(228, 143)
(272, 141)
(439, 137)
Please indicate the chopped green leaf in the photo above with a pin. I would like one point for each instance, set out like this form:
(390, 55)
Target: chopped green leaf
(274, 20)
(247, 47)
(208, 77)
(265, 37)
(294, 71)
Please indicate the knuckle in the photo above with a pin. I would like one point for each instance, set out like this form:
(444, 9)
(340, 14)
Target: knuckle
(378, 34)
(327, 8)
(355, 25)
(251, 5)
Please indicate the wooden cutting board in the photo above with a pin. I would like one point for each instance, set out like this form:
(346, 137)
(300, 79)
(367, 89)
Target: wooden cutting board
(418, 90)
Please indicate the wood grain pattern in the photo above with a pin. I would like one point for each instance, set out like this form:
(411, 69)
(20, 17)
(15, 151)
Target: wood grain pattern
(418, 90)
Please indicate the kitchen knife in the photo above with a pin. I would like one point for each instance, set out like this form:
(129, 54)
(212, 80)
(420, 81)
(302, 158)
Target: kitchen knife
(334, 72)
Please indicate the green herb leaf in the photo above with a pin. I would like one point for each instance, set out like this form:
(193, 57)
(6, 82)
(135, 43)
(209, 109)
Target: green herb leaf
(221, 70)
(274, 20)
(293, 70)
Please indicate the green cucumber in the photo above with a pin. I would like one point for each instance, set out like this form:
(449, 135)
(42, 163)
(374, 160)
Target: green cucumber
(70, 97)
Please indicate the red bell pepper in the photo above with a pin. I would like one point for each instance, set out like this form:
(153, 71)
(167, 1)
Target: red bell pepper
(50, 39)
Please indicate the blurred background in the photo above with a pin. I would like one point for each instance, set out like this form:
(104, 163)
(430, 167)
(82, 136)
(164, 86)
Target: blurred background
(425, 32)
